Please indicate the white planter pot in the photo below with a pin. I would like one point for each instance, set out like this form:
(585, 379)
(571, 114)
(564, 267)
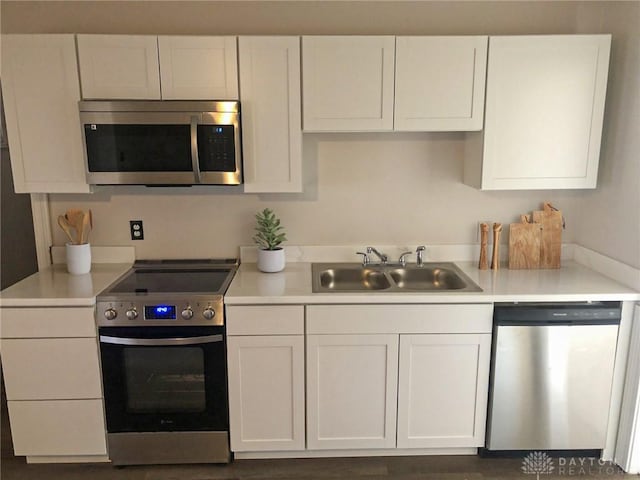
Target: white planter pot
(270, 261)
(78, 258)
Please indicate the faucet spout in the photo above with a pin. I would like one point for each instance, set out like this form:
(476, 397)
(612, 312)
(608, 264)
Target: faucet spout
(383, 258)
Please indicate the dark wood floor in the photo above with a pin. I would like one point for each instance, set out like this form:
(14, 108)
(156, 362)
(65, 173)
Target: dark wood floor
(372, 468)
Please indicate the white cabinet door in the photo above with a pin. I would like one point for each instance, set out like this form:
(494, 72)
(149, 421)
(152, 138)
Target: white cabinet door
(442, 390)
(440, 83)
(51, 368)
(351, 391)
(271, 124)
(58, 427)
(40, 90)
(198, 68)
(544, 111)
(266, 392)
(119, 66)
(348, 83)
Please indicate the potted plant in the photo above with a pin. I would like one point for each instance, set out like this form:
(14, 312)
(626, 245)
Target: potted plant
(269, 236)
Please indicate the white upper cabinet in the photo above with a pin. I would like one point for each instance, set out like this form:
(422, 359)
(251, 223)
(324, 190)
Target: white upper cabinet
(348, 83)
(119, 66)
(198, 68)
(271, 124)
(440, 83)
(360, 83)
(150, 67)
(40, 89)
(544, 112)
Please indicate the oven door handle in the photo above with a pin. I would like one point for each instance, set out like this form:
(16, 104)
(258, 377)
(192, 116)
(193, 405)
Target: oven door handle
(153, 342)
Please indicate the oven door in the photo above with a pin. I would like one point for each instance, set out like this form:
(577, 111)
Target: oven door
(159, 379)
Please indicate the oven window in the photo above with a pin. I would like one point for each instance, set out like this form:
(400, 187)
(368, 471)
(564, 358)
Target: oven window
(164, 380)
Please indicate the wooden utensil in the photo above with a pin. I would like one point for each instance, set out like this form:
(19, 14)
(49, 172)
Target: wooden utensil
(484, 240)
(524, 244)
(75, 218)
(86, 227)
(66, 228)
(551, 222)
(495, 259)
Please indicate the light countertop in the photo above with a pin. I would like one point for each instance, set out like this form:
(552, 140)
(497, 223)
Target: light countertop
(573, 282)
(55, 287)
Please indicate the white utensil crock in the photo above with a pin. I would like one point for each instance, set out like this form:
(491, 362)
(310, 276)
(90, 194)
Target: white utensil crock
(271, 261)
(78, 258)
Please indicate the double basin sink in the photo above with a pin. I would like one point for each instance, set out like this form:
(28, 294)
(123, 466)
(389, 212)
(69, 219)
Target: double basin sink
(354, 277)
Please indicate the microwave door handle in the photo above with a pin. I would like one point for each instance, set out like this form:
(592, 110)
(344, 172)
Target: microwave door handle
(195, 159)
(159, 342)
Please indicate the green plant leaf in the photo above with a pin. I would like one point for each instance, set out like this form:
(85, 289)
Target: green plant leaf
(269, 230)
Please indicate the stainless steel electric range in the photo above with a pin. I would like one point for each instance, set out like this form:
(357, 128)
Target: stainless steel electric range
(162, 347)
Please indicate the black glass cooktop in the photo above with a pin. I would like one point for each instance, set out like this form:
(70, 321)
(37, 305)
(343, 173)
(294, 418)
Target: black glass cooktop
(176, 276)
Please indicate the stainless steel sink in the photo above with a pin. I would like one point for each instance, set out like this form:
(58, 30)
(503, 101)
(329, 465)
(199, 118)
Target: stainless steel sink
(353, 277)
(427, 278)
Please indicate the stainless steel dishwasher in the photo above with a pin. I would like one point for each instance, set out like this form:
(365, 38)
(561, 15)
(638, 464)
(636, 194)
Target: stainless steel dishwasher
(551, 375)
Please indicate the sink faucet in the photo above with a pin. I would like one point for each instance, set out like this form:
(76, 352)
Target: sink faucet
(365, 258)
(419, 252)
(383, 258)
(403, 258)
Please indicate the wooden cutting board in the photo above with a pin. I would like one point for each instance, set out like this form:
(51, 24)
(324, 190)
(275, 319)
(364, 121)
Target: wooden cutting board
(551, 242)
(524, 245)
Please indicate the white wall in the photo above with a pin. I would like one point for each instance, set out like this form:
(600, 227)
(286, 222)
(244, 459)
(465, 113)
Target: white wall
(608, 220)
(360, 188)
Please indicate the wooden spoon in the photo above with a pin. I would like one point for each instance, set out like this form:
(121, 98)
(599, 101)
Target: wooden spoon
(86, 227)
(75, 218)
(66, 228)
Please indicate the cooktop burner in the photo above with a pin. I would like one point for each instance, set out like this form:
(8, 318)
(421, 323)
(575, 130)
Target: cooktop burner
(168, 292)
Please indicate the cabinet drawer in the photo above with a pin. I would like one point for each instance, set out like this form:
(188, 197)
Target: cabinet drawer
(441, 318)
(51, 368)
(265, 320)
(63, 427)
(47, 322)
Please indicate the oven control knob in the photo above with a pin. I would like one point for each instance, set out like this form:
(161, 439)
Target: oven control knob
(187, 313)
(132, 314)
(208, 313)
(110, 314)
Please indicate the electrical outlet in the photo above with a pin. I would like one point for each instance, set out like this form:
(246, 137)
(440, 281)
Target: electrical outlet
(137, 233)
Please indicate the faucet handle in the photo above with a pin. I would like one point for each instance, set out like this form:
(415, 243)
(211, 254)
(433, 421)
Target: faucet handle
(365, 258)
(419, 251)
(402, 260)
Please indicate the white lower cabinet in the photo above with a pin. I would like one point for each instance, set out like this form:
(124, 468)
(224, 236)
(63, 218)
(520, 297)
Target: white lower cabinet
(57, 427)
(265, 361)
(351, 391)
(442, 390)
(266, 392)
(52, 376)
(378, 377)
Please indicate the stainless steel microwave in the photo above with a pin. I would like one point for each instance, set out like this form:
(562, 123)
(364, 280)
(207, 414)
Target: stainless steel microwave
(161, 142)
